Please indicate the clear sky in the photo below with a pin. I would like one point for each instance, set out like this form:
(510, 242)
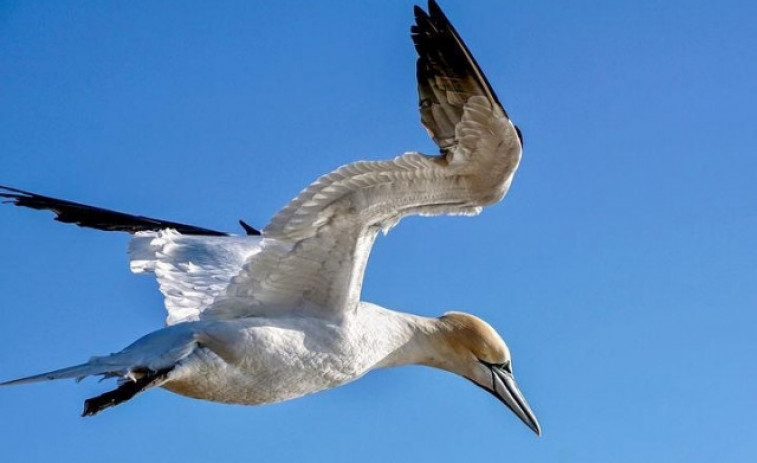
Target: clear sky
(620, 268)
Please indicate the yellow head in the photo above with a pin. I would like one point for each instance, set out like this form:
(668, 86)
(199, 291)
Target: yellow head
(470, 347)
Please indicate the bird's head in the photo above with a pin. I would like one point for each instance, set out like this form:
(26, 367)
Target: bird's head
(473, 349)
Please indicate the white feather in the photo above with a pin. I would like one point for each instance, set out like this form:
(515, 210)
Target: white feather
(191, 270)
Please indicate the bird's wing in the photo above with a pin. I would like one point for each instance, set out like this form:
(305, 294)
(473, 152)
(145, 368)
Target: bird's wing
(193, 265)
(191, 270)
(103, 219)
(314, 251)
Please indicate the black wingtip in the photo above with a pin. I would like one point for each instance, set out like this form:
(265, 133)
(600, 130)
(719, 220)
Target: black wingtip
(434, 8)
(437, 15)
(422, 20)
(434, 26)
(15, 196)
(249, 229)
(97, 217)
(14, 190)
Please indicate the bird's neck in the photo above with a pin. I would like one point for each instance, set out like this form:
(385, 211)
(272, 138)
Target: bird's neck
(411, 339)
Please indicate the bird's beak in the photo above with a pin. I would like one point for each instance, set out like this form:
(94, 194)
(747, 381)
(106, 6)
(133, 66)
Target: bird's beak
(506, 390)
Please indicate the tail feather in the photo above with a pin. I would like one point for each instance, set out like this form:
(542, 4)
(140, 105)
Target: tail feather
(144, 364)
(131, 382)
(153, 352)
(77, 372)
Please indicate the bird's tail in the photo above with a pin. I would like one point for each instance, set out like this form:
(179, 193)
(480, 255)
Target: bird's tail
(144, 364)
(77, 372)
(131, 380)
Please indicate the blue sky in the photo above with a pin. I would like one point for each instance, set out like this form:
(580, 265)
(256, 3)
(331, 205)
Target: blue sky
(620, 268)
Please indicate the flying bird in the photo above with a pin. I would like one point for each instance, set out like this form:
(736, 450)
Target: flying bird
(276, 314)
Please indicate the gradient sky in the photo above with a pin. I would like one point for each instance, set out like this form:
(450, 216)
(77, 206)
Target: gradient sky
(620, 268)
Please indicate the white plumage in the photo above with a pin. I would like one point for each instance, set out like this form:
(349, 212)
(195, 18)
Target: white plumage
(191, 270)
(260, 319)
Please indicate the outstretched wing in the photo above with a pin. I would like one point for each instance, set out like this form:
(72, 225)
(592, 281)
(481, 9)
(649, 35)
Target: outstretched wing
(314, 251)
(103, 219)
(193, 265)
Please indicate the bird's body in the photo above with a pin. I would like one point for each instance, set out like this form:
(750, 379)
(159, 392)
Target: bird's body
(277, 314)
(265, 360)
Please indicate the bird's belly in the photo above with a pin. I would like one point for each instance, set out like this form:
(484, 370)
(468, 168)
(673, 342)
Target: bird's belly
(204, 375)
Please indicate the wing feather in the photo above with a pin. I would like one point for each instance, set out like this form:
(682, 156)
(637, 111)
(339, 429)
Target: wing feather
(314, 250)
(191, 270)
(103, 219)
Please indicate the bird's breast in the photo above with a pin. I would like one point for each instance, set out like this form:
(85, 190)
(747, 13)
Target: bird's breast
(258, 362)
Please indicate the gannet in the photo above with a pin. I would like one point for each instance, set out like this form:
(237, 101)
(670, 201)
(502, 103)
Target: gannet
(276, 314)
